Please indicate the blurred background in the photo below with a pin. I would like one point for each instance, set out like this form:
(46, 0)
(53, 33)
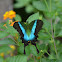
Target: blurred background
(50, 36)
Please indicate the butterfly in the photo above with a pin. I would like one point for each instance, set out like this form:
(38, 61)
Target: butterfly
(32, 38)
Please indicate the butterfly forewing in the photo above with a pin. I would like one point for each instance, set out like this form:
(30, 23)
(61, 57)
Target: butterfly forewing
(17, 27)
(38, 27)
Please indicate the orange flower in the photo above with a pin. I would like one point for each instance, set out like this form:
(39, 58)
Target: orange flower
(5, 16)
(9, 14)
(12, 14)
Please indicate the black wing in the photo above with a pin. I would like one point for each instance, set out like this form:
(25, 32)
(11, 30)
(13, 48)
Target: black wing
(17, 27)
(38, 27)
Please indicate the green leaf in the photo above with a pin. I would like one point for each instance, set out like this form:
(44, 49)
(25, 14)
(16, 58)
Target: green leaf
(50, 60)
(45, 5)
(11, 30)
(21, 3)
(21, 49)
(31, 49)
(40, 5)
(33, 17)
(43, 36)
(31, 60)
(29, 8)
(1, 59)
(27, 50)
(1, 25)
(52, 6)
(18, 58)
(60, 33)
(42, 47)
(18, 18)
(3, 34)
(4, 49)
(49, 14)
(7, 41)
(46, 25)
(58, 27)
(59, 3)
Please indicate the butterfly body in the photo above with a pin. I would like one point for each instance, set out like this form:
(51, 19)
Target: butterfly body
(33, 35)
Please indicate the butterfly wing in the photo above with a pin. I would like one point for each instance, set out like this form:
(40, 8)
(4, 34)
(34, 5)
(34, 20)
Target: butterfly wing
(21, 30)
(17, 27)
(36, 28)
(32, 36)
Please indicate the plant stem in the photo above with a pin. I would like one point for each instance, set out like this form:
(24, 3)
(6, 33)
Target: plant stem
(53, 38)
(50, 5)
(47, 53)
(46, 4)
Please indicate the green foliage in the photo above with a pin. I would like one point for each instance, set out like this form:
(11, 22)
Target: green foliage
(33, 17)
(21, 3)
(60, 34)
(11, 31)
(7, 41)
(18, 18)
(18, 58)
(31, 49)
(1, 34)
(29, 8)
(40, 5)
(50, 12)
(4, 49)
(1, 59)
(21, 49)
